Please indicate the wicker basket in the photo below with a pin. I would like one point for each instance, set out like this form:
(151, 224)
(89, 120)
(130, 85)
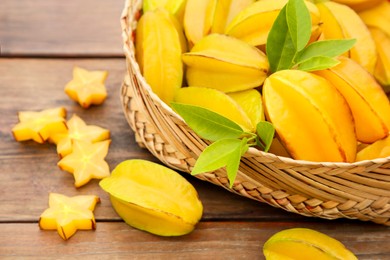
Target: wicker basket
(359, 190)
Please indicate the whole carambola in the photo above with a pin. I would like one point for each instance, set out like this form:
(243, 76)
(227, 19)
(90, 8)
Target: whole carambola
(159, 45)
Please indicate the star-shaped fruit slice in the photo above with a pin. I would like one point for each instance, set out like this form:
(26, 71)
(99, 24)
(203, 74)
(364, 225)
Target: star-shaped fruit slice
(78, 130)
(40, 125)
(86, 161)
(68, 214)
(87, 87)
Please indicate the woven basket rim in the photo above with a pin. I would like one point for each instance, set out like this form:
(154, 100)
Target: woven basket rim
(252, 151)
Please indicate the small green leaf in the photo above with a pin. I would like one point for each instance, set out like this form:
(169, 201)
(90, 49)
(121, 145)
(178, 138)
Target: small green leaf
(299, 23)
(207, 124)
(318, 63)
(280, 48)
(326, 48)
(217, 155)
(265, 132)
(234, 161)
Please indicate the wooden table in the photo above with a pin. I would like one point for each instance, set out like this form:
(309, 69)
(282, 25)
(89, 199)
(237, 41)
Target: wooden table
(41, 41)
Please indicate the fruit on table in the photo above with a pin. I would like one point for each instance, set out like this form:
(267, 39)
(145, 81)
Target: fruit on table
(311, 118)
(159, 45)
(304, 243)
(379, 149)
(225, 63)
(342, 22)
(251, 102)
(367, 100)
(360, 5)
(203, 17)
(86, 161)
(153, 198)
(40, 125)
(78, 130)
(216, 101)
(87, 87)
(68, 214)
(253, 24)
(382, 68)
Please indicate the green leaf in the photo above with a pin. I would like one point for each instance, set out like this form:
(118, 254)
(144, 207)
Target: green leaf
(318, 63)
(265, 132)
(207, 124)
(280, 48)
(299, 23)
(326, 48)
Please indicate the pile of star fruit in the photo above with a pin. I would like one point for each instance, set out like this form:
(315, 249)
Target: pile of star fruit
(134, 186)
(216, 54)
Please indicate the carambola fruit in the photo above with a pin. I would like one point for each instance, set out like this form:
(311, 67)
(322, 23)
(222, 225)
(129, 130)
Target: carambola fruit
(225, 63)
(153, 198)
(311, 118)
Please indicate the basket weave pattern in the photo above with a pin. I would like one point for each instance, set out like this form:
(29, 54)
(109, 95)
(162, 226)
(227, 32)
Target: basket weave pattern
(359, 190)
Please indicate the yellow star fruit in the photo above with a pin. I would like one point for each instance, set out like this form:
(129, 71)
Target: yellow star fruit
(87, 87)
(78, 130)
(40, 125)
(69, 214)
(86, 161)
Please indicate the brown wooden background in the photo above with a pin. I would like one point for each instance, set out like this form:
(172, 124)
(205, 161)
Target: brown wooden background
(41, 41)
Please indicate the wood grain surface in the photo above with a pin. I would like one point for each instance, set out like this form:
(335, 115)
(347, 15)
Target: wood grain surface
(41, 41)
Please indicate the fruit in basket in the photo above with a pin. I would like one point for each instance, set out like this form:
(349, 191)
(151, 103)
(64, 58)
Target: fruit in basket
(378, 16)
(251, 102)
(216, 101)
(382, 68)
(360, 5)
(86, 161)
(253, 24)
(304, 243)
(78, 130)
(225, 63)
(368, 102)
(379, 149)
(175, 7)
(153, 198)
(342, 22)
(68, 214)
(87, 87)
(40, 125)
(203, 17)
(311, 118)
(159, 45)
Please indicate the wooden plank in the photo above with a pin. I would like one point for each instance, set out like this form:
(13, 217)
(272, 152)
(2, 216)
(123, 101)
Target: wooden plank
(29, 170)
(64, 28)
(210, 240)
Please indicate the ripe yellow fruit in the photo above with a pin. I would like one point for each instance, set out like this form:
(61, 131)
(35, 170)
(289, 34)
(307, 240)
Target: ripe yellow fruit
(360, 5)
(253, 23)
(216, 101)
(304, 243)
(378, 16)
(342, 22)
(225, 63)
(311, 118)
(379, 149)
(382, 68)
(153, 198)
(368, 102)
(159, 45)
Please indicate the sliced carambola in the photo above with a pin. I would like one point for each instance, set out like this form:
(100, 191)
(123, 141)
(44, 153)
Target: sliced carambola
(225, 63)
(216, 101)
(311, 118)
(159, 45)
(368, 102)
(40, 125)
